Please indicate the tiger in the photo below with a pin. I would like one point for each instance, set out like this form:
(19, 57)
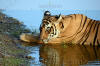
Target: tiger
(73, 28)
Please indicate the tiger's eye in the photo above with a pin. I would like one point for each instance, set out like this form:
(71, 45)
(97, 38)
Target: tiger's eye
(46, 23)
(48, 28)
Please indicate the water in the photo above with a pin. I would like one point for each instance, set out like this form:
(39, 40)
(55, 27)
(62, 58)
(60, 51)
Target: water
(64, 55)
(35, 55)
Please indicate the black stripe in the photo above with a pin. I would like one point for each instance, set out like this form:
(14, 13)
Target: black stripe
(98, 42)
(81, 21)
(55, 29)
(90, 44)
(95, 25)
(75, 16)
(83, 24)
(86, 50)
(94, 48)
(96, 34)
(85, 32)
(70, 16)
(62, 26)
(88, 33)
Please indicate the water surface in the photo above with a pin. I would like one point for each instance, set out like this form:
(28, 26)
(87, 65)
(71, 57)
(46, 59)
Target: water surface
(64, 55)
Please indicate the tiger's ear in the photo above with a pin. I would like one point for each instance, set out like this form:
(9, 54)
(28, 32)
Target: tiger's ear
(47, 13)
(59, 18)
(61, 25)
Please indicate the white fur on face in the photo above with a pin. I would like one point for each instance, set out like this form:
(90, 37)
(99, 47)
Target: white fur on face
(50, 36)
(54, 35)
(46, 26)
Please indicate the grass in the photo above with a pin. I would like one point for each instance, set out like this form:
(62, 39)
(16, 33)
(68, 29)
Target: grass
(11, 61)
(11, 56)
(11, 49)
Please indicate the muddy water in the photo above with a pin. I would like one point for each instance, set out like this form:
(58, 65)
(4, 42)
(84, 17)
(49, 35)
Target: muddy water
(64, 55)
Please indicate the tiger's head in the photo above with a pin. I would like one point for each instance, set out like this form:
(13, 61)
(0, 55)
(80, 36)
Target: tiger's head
(49, 28)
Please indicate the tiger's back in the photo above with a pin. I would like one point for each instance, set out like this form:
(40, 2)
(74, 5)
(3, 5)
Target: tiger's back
(88, 32)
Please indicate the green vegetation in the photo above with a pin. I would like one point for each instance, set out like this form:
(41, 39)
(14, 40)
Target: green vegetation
(14, 62)
(12, 26)
(11, 54)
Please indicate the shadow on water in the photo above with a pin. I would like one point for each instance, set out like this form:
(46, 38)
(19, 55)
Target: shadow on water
(64, 55)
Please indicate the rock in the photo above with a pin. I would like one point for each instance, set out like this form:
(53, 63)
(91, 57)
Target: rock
(29, 57)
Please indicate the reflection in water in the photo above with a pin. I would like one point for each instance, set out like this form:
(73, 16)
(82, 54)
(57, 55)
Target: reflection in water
(63, 55)
(70, 55)
(33, 53)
